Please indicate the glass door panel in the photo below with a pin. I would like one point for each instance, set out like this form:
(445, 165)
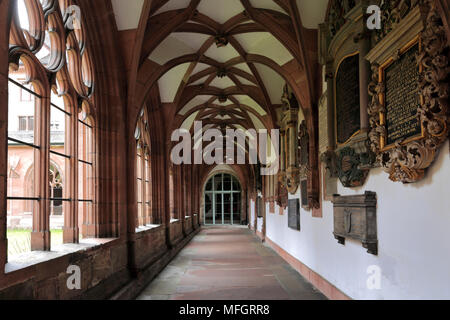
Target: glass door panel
(236, 208)
(218, 209)
(208, 209)
(222, 200)
(227, 208)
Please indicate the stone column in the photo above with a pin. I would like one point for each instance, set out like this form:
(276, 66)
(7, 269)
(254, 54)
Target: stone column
(70, 229)
(40, 235)
(282, 155)
(5, 20)
(363, 41)
(329, 76)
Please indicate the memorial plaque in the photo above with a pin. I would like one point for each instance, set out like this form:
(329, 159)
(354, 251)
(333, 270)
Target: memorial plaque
(402, 98)
(304, 193)
(355, 217)
(347, 97)
(294, 214)
(259, 207)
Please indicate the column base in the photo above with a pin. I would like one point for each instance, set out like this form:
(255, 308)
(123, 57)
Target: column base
(40, 241)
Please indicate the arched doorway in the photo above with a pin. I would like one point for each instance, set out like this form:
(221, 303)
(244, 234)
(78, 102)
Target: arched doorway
(56, 186)
(222, 200)
(56, 189)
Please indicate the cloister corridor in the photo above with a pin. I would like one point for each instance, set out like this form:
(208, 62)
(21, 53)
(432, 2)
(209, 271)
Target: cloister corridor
(229, 263)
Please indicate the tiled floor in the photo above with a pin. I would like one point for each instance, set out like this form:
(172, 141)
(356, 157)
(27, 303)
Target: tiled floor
(223, 263)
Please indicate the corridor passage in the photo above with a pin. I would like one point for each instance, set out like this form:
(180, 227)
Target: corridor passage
(223, 263)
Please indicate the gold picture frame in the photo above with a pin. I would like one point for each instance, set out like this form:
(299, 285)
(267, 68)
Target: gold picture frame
(382, 95)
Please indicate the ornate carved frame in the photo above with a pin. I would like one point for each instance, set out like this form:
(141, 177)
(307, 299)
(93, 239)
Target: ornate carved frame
(351, 39)
(406, 161)
(382, 95)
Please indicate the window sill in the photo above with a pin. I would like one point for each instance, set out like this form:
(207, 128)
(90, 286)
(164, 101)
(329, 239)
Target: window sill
(147, 227)
(32, 258)
(187, 217)
(174, 220)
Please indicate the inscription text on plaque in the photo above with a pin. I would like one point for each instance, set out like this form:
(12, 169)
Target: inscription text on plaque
(402, 98)
(347, 99)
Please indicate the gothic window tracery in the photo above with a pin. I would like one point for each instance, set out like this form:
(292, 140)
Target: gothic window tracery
(49, 60)
(143, 171)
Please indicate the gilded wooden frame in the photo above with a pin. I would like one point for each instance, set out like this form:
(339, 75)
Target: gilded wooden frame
(382, 94)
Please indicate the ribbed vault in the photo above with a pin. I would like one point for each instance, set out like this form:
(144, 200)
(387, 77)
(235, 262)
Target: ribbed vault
(225, 62)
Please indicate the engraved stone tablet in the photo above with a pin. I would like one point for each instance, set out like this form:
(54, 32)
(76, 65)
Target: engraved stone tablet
(402, 97)
(347, 97)
(294, 214)
(355, 217)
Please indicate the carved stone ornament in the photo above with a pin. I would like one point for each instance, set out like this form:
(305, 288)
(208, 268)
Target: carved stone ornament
(349, 168)
(407, 159)
(292, 179)
(290, 127)
(329, 158)
(221, 40)
(282, 196)
(392, 12)
(303, 150)
(336, 14)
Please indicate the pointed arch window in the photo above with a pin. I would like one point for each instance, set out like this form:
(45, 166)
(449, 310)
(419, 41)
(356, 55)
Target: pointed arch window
(143, 172)
(50, 64)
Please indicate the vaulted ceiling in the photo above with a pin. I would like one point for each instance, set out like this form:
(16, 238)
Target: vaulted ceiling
(222, 62)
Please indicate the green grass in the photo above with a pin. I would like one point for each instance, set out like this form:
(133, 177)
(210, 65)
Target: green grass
(19, 240)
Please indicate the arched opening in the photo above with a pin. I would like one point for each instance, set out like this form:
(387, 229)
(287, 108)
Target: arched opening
(222, 200)
(56, 185)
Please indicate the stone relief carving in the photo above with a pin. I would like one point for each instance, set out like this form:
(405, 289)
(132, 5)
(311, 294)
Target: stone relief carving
(303, 150)
(330, 159)
(392, 12)
(336, 14)
(407, 161)
(282, 196)
(350, 167)
(289, 125)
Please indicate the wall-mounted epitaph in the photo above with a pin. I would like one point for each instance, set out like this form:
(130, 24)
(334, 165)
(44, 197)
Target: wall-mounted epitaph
(259, 207)
(294, 214)
(402, 97)
(406, 141)
(355, 217)
(347, 99)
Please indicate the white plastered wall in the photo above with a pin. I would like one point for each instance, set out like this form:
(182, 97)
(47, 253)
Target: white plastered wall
(413, 232)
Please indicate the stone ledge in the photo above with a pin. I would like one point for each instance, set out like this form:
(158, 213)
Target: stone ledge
(135, 286)
(148, 227)
(33, 258)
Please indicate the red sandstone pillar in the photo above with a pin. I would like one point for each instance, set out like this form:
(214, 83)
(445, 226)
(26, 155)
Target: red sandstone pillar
(40, 235)
(70, 229)
(5, 21)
